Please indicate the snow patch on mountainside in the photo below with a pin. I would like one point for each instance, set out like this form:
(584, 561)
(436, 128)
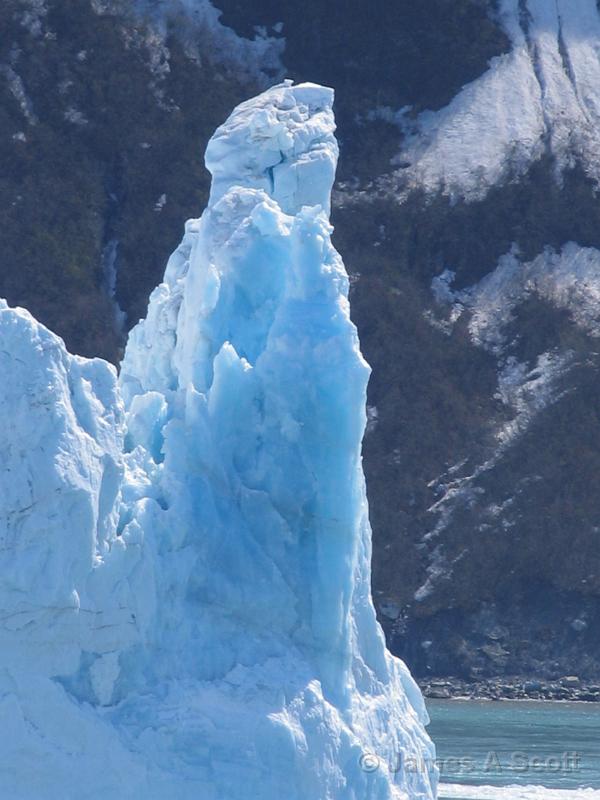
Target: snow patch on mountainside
(542, 97)
(528, 391)
(525, 392)
(198, 24)
(17, 89)
(568, 280)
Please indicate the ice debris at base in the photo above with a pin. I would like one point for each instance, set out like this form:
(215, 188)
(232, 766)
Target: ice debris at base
(540, 98)
(185, 552)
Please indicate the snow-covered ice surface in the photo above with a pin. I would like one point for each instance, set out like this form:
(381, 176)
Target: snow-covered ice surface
(185, 606)
(541, 97)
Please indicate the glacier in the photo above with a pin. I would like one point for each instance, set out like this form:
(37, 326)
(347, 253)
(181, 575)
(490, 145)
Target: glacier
(185, 605)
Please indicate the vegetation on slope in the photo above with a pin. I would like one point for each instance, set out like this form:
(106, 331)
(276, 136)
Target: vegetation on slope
(117, 121)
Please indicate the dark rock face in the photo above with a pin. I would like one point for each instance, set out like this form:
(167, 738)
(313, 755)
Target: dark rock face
(486, 561)
(512, 687)
(538, 631)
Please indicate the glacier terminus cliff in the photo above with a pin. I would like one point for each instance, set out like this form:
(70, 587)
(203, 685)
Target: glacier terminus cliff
(185, 605)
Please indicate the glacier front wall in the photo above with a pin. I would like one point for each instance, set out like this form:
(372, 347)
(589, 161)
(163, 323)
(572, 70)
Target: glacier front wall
(185, 555)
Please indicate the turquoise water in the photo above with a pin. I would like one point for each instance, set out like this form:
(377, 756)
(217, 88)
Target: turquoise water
(517, 751)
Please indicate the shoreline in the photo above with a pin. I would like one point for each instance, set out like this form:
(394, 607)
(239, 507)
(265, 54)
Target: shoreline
(569, 688)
